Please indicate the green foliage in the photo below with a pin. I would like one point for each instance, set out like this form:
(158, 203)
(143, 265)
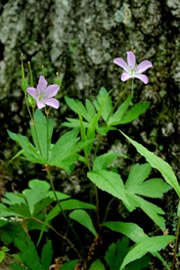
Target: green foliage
(97, 264)
(84, 219)
(110, 182)
(3, 252)
(10, 231)
(150, 244)
(41, 131)
(102, 162)
(69, 265)
(158, 163)
(29, 255)
(153, 188)
(116, 118)
(62, 154)
(70, 204)
(122, 116)
(104, 107)
(131, 230)
(31, 202)
(116, 252)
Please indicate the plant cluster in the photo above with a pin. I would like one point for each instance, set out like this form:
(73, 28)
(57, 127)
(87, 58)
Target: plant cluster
(36, 207)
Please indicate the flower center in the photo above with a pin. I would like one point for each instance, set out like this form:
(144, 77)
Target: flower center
(41, 97)
(132, 71)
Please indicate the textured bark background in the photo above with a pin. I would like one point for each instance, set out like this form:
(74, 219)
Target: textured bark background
(79, 39)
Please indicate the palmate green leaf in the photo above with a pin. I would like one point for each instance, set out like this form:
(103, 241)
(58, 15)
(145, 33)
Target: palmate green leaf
(78, 107)
(19, 210)
(29, 151)
(134, 112)
(13, 198)
(101, 162)
(41, 130)
(28, 253)
(37, 192)
(153, 188)
(158, 163)
(152, 210)
(69, 205)
(5, 212)
(116, 252)
(63, 150)
(133, 232)
(97, 264)
(150, 244)
(117, 116)
(137, 175)
(110, 182)
(84, 219)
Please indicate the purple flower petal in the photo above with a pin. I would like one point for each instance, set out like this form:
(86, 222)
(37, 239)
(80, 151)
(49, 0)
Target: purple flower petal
(40, 105)
(142, 77)
(51, 90)
(32, 91)
(131, 59)
(125, 76)
(42, 83)
(120, 62)
(143, 66)
(53, 103)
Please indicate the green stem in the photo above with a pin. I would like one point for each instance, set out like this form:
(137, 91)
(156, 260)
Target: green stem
(107, 208)
(60, 207)
(33, 122)
(27, 105)
(47, 113)
(59, 234)
(132, 89)
(176, 244)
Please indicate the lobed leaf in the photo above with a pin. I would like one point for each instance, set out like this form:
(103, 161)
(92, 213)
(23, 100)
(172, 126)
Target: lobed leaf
(158, 163)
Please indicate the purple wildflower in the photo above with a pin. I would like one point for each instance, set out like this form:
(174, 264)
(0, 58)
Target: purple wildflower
(44, 94)
(131, 70)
